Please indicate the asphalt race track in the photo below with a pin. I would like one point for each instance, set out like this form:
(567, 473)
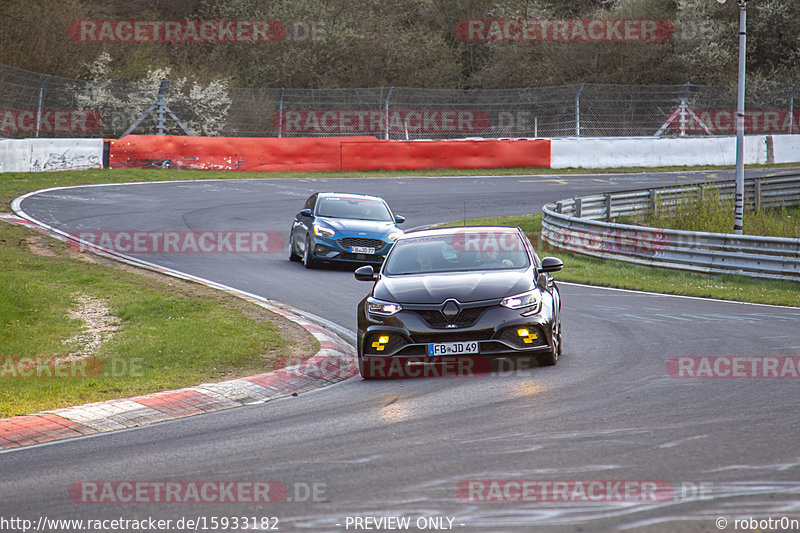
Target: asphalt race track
(609, 411)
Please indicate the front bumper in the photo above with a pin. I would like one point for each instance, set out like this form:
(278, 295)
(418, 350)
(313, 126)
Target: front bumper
(401, 343)
(329, 249)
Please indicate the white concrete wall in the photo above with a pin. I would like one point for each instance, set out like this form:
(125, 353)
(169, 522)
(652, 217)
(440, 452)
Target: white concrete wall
(655, 152)
(35, 155)
(786, 148)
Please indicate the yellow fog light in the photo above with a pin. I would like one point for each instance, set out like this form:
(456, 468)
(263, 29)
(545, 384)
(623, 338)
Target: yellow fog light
(527, 336)
(380, 344)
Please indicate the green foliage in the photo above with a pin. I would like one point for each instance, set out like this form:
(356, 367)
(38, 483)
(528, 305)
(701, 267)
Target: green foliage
(368, 43)
(713, 212)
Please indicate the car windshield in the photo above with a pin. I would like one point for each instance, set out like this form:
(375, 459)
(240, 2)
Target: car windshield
(355, 208)
(467, 250)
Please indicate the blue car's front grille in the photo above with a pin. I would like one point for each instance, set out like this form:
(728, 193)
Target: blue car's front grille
(347, 242)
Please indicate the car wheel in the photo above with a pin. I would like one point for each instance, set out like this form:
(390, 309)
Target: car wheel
(550, 357)
(293, 256)
(308, 259)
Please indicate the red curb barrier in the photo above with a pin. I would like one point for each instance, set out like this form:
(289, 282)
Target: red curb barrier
(35, 429)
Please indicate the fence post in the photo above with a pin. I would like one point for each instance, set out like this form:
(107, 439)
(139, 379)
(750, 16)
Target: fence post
(39, 105)
(654, 201)
(608, 207)
(280, 113)
(791, 107)
(162, 91)
(757, 193)
(386, 113)
(162, 108)
(578, 110)
(578, 207)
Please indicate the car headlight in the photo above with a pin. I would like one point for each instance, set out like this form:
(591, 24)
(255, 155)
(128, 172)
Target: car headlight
(394, 236)
(321, 231)
(379, 307)
(531, 299)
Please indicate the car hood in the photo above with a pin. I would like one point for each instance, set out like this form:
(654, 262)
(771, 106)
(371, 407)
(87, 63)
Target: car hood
(352, 226)
(463, 286)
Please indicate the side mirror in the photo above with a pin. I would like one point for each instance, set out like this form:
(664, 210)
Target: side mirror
(365, 273)
(306, 213)
(551, 264)
(399, 219)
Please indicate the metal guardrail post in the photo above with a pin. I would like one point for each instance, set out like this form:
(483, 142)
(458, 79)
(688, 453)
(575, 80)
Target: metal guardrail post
(654, 201)
(579, 207)
(608, 207)
(757, 193)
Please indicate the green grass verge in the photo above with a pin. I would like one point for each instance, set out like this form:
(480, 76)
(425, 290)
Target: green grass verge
(609, 273)
(172, 333)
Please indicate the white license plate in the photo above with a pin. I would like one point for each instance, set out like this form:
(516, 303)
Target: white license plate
(362, 250)
(452, 348)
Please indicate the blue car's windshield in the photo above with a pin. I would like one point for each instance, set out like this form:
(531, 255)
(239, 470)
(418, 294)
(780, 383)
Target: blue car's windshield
(467, 250)
(355, 208)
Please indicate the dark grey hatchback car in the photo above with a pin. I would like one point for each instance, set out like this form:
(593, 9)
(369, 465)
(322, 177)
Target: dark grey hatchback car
(449, 301)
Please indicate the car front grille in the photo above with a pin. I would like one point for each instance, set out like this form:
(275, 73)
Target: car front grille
(347, 242)
(435, 319)
(373, 258)
(453, 336)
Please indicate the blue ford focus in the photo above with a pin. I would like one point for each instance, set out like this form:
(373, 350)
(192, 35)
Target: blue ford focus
(337, 227)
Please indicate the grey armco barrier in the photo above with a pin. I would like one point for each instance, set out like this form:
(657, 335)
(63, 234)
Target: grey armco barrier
(585, 225)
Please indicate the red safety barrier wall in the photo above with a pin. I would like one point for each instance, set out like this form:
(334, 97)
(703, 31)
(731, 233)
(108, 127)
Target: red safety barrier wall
(321, 153)
(228, 153)
(417, 155)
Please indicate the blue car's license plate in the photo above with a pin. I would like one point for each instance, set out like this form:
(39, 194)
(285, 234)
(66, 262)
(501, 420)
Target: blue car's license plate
(362, 250)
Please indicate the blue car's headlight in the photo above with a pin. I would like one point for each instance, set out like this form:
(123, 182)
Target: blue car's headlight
(321, 231)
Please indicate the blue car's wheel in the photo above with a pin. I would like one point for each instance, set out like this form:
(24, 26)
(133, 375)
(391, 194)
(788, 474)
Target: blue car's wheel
(293, 256)
(308, 259)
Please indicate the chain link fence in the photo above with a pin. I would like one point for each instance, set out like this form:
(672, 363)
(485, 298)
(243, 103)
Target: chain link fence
(38, 105)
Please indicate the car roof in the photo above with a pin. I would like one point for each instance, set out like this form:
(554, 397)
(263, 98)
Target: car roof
(459, 229)
(349, 195)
